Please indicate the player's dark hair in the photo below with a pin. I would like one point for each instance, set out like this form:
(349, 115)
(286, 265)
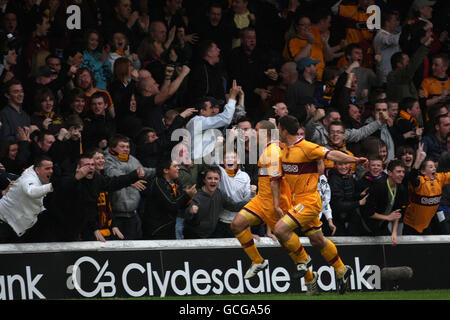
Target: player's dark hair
(290, 124)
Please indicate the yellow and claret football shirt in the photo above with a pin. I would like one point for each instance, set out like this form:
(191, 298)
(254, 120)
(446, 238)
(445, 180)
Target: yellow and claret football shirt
(424, 201)
(300, 170)
(296, 44)
(434, 87)
(354, 35)
(269, 169)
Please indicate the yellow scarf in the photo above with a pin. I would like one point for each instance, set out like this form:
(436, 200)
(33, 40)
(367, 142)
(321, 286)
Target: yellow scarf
(405, 115)
(231, 173)
(121, 156)
(174, 187)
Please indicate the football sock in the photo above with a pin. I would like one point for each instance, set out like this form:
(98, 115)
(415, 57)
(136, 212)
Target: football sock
(298, 254)
(247, 243)
(331, 256)
(295, 249)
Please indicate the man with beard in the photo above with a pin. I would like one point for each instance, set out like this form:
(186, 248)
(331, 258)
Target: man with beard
(85, 80)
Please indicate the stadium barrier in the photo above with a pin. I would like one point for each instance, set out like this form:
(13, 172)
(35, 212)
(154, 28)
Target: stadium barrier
(208, 267)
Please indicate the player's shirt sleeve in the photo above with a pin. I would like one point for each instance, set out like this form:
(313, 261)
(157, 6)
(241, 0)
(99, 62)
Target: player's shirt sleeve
(314, 151)
(274, 168)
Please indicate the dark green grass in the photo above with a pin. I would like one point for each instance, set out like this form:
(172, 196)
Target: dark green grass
(366, 295)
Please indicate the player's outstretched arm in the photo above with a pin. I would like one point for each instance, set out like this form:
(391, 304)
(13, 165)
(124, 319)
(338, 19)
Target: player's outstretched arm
(339, 156)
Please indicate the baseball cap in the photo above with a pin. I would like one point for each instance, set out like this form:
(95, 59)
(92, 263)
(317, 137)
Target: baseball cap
(306, 62)
(419, 4)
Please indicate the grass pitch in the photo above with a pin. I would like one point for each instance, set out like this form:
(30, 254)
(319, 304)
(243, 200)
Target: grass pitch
(354, 295)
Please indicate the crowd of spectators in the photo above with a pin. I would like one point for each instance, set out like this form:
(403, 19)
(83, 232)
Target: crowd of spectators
(88, 115)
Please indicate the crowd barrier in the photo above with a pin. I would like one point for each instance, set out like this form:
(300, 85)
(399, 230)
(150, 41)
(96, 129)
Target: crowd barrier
(163, 268)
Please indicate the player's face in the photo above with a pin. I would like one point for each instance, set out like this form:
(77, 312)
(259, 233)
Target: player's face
(283, 134)
(211, 181)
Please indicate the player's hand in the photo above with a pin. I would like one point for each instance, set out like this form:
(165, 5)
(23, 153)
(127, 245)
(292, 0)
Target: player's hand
(279, 211)
(362, 161)
(332, 226)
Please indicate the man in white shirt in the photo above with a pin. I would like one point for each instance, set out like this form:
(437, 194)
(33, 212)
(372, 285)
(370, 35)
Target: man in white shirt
(20, 207)
(202, 142)
(386, 43)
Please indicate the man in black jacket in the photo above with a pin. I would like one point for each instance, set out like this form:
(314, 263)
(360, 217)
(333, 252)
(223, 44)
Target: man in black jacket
(206, 78)
(387, 203)
(346, 201)
(165, 202)
(73, 206)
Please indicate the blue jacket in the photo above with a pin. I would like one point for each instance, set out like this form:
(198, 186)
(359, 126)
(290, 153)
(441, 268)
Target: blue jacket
(102, 71)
